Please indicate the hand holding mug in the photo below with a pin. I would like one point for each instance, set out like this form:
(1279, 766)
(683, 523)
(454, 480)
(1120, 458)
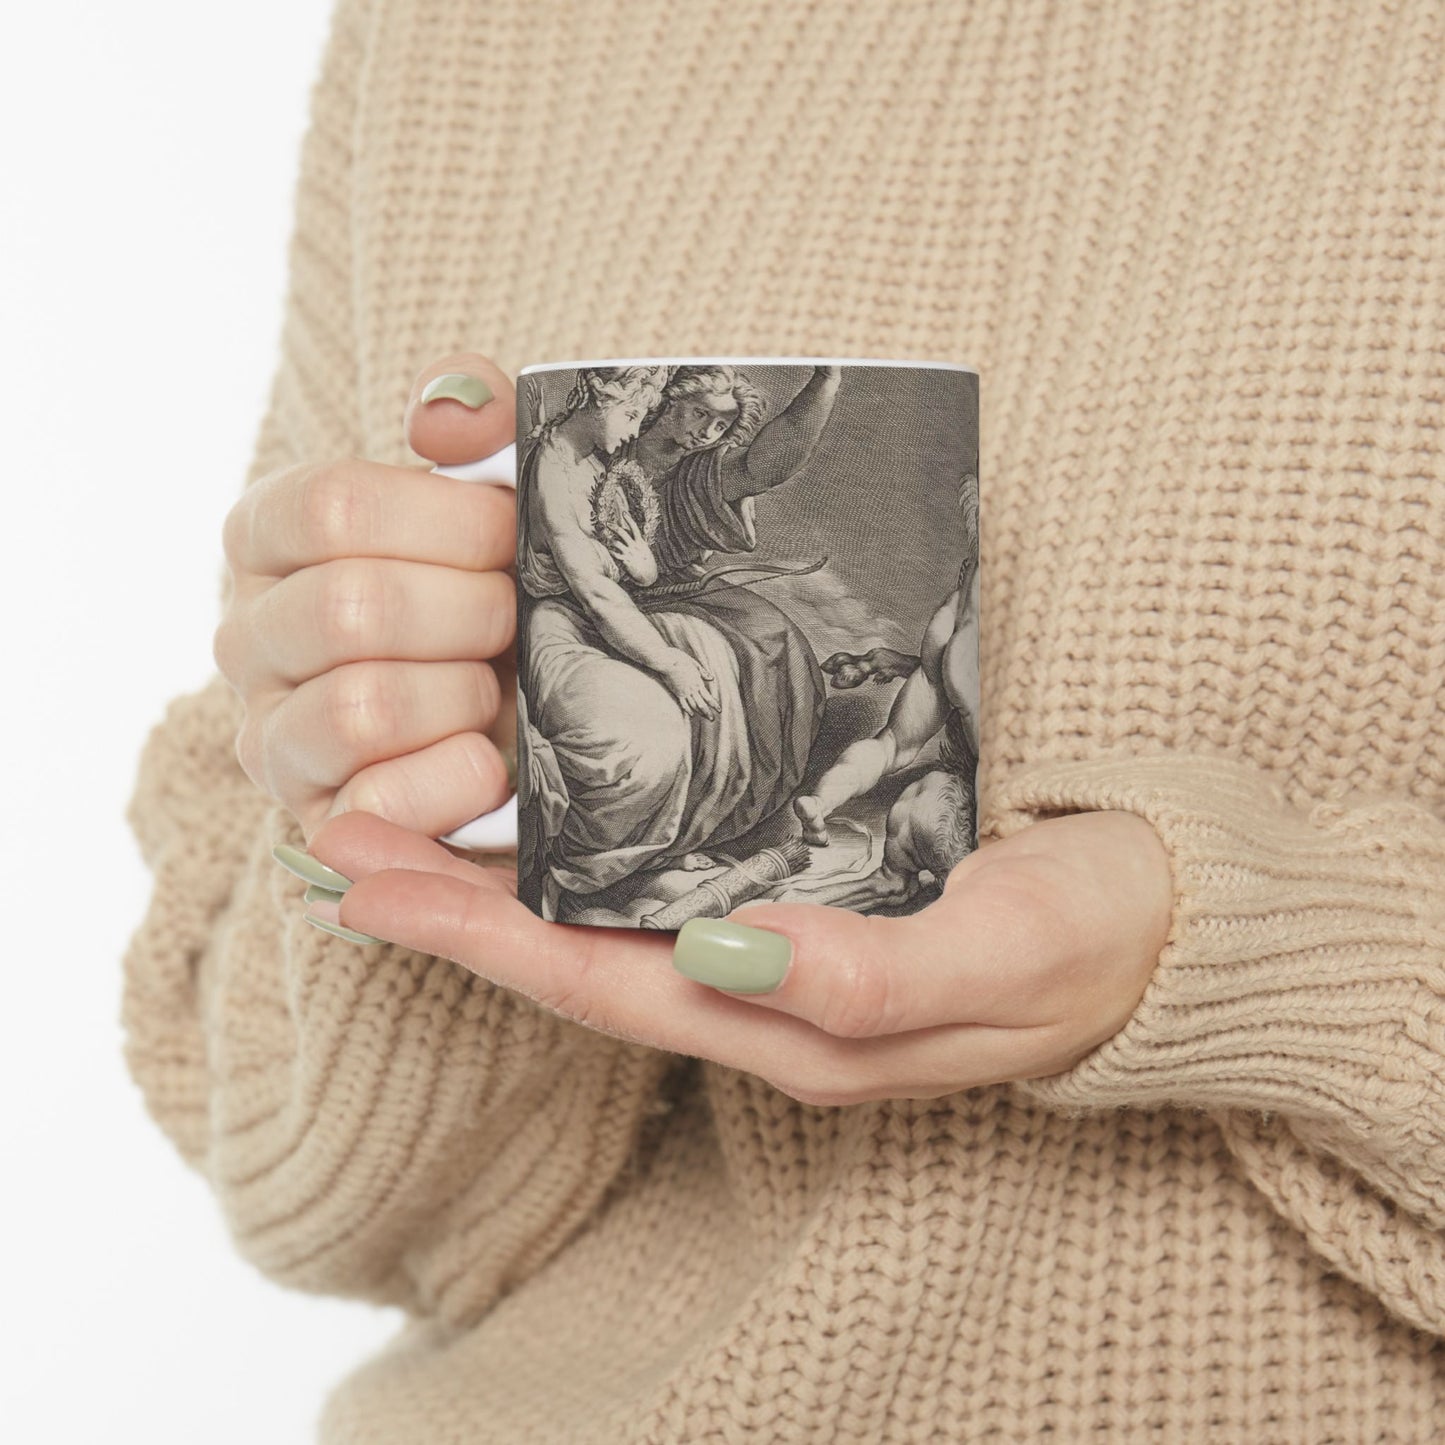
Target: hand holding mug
(1039, 950)
(370, 623)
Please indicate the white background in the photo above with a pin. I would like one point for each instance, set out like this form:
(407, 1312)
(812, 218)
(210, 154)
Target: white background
(148, 154)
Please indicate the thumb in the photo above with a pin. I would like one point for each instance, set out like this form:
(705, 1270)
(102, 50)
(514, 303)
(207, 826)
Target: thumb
(462, 408)
(852, 975)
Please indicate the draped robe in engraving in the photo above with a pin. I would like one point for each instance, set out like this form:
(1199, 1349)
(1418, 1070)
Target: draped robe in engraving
(618, 778)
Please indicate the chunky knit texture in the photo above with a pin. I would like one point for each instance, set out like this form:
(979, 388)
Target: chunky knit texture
(1196, 252)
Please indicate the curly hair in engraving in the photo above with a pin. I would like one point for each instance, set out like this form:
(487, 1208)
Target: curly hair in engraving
(599, 385)
(955, 830)
(623, 491)
(716, 381)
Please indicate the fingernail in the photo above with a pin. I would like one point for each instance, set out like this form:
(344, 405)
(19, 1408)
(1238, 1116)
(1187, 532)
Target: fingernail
(349, 934)
(732, 956)
(326, 909)
(509, 756)
(303, 865)
(471, 391)
(317, 894)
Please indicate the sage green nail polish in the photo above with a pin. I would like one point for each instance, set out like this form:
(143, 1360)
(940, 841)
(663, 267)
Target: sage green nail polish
(350, 934)
(731, 955)
(303, 865)
(317, 894)
(471, 391)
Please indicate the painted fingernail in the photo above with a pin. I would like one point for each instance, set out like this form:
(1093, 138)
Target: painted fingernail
(731, 955)
(350, 934)
(471, 391)
(324, 910)
(303, 865)
(317, 894)
(509, 756)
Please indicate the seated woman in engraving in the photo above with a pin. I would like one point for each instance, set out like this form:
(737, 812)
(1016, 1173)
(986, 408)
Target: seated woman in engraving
(661, 720)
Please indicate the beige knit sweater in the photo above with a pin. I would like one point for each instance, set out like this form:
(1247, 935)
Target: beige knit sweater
(1198, 253)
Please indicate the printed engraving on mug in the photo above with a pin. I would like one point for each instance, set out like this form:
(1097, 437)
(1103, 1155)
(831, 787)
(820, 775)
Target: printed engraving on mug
(748, 638)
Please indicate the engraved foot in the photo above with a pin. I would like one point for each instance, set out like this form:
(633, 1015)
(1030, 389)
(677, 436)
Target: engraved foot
(810, 815)
(696, 862)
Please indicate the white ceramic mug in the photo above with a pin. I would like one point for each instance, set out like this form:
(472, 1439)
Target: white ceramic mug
(747, 634)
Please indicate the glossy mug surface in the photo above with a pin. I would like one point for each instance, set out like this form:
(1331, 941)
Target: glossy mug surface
(747, 635)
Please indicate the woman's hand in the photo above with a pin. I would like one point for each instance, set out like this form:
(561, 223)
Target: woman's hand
(691, 684)
(629, 547)
(1039, 949)
(365, 599)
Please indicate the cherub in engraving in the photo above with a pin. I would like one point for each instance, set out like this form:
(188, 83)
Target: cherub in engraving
(668, 709)
(931, 825)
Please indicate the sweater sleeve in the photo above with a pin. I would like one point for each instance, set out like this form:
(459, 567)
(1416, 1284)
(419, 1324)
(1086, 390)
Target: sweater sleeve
(1299, 999)
(375, 1123)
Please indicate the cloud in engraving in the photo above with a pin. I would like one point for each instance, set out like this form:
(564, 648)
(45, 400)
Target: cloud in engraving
(834, 618)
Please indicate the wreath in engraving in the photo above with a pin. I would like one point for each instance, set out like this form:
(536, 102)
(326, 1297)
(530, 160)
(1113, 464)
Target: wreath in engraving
(622, 494)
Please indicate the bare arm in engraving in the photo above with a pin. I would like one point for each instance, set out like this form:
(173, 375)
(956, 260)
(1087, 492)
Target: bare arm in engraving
(619, 620)
(782, 447)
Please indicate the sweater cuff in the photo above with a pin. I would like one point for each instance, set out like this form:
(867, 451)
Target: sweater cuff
(1291, 977)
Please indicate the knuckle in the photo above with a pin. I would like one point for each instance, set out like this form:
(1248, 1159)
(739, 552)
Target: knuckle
(236, 530)
(575, 995)
(862, 997)
(332, 507)
(224, 651)
(385, 791)
(582, 996)
(501, 616)
(250, 750)
(360, 710)
(352, 607)
(489, 692)
(493, 527)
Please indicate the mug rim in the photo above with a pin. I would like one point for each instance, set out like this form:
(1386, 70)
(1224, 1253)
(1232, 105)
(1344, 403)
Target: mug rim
(748, 361)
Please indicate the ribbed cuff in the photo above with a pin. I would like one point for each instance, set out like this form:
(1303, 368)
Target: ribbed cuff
(1305, 966)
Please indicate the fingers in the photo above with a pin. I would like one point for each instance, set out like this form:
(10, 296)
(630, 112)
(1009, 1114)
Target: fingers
(699, 703)
(1058, 927)
(353, 609)
(619, 982)
(356, 844)
(432, 790)
(711, 695)
(301, 516)
(973, 957)
(864, 1009)
(448, 430)
(328, 729)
